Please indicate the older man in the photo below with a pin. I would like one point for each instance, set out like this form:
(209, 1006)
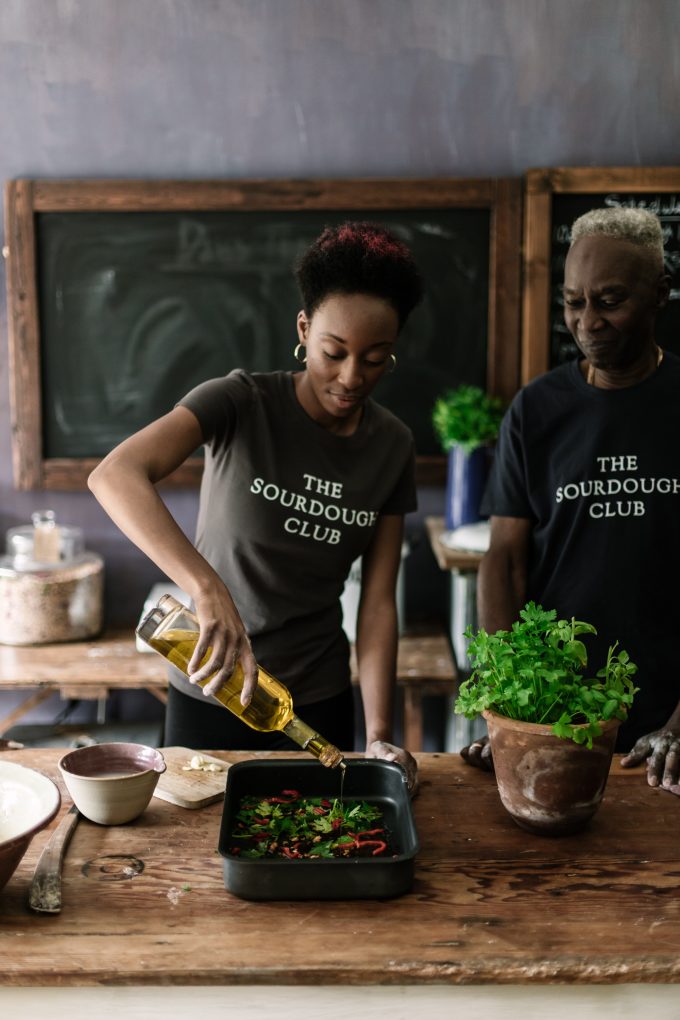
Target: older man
(585, 494)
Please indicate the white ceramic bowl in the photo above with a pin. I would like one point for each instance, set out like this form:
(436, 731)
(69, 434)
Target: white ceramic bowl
(28, 802)
(112, 783)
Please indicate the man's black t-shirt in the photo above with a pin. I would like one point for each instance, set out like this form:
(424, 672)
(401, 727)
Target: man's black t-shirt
(598, 474)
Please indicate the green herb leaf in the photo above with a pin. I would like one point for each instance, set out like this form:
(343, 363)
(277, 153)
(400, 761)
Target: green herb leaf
(296, 827)
(466, 417)
(535, 672)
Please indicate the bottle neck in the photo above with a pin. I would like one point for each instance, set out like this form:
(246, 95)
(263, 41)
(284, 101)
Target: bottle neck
(309, 740)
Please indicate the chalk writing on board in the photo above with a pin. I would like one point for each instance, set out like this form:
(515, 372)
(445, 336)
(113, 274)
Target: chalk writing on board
(136, 308)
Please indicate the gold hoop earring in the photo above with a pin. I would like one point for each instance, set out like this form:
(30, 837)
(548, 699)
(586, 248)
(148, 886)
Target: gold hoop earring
(393, 365)
(296, 354)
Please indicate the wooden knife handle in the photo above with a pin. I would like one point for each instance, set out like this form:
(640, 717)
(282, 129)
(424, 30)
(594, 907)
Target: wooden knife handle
(44, 894)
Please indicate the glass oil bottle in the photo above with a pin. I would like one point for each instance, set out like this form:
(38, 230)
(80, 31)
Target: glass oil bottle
(172, 630)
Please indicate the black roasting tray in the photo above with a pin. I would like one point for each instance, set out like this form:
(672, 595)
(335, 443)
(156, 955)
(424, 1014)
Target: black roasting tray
(379, 782)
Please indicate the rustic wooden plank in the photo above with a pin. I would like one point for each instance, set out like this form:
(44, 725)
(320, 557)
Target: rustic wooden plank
(188, 787)
(108, 661)
(536, 269)
(112, 660)
(94, 691)
(420, 658)
(413, 719)
(431, 471)
(503, 355)
(24, 342)
(254, 194)
(71, 474)
(490, 904)
(447, 558)
(587, 179)
(158, 694)
(27, 705)
(92, 669)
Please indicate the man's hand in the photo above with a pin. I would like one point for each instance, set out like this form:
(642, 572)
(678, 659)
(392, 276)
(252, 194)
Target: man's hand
(662, 751)
(478, 754)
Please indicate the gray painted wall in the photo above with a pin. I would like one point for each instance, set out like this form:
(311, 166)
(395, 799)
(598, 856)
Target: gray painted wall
(300, 88)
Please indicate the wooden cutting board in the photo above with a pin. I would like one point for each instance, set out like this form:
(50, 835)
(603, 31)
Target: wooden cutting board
(190, 789)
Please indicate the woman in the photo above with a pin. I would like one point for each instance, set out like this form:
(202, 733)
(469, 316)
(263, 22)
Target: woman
(303, 473)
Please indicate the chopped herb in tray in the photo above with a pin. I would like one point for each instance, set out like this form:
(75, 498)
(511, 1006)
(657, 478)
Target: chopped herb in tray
(296, 827)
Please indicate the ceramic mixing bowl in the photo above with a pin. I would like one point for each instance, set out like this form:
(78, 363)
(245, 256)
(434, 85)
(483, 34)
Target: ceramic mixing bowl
(112, 783)
(28, 802)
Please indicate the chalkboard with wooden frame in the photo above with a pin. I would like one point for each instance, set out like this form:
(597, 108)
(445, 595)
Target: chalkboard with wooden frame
(553, 199)
(122, 295)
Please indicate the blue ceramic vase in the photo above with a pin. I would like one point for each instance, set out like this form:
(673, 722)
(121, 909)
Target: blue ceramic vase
(465, 484)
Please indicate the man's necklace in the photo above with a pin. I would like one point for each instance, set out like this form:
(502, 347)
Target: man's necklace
(590, 377)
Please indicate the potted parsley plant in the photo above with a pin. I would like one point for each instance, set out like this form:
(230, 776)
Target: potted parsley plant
(466, 421)
(552, 727)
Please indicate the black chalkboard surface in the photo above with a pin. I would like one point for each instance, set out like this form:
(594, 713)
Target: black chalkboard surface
(122, 295)
(566, 208)
(137, 308)
(554, 198)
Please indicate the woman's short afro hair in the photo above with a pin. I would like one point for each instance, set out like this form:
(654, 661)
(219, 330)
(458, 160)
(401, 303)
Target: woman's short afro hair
(359, 258)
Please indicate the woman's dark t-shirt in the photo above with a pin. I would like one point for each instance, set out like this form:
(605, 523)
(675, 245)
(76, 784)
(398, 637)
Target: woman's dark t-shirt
(285, 508)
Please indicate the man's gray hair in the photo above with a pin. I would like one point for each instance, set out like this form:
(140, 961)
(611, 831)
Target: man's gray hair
(638, 226)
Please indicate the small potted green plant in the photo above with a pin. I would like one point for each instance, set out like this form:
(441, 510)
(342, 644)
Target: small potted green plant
(466, 421)
(552, 729)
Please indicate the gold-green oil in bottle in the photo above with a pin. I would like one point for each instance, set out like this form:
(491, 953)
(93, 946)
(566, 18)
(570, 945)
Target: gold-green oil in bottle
(270, 708)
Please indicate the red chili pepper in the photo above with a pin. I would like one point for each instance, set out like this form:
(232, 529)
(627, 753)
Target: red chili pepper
(288, 797)
(378, 843)
(291, 854)
(370, 832)
(318, 811)
(326, 804)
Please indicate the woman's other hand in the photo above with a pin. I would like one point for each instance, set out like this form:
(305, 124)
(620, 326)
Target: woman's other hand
(390, 752)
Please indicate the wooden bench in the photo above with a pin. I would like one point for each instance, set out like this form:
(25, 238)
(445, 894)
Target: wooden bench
(92, 669)
(425, 665)
(460, 560)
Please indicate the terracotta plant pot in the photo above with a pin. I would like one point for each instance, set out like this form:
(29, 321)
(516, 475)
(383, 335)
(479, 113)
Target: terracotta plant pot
(549, 785)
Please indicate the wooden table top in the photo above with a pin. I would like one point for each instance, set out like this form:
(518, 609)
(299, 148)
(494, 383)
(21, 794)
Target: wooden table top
(490, 903)
(447, 558)
(112, 660)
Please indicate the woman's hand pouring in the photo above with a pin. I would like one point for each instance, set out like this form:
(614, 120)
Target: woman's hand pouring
(223, 637)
